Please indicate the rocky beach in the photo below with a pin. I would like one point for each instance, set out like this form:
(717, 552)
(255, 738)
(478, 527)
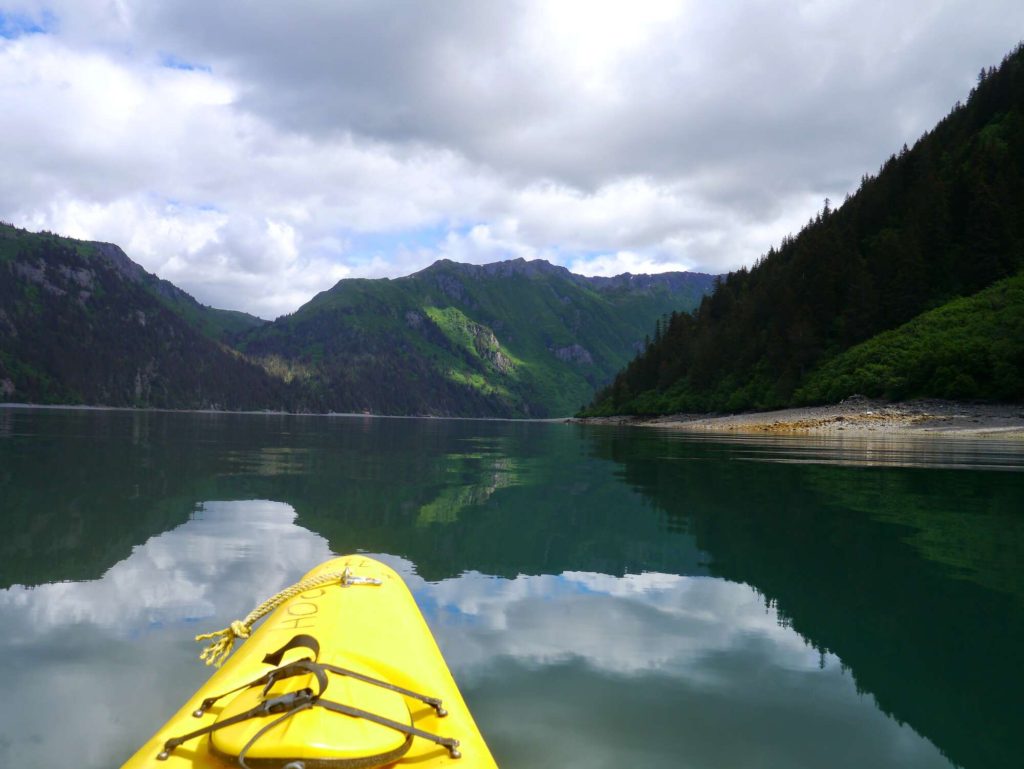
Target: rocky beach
(854, 416)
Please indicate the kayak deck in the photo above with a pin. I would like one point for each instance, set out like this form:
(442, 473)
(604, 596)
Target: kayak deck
(370, 628)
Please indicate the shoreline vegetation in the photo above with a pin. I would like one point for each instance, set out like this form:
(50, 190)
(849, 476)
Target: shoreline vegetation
(855, 416)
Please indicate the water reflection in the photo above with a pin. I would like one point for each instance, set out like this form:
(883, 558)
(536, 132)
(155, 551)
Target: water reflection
(109, 659)
(881, 450)
(576, 669)
(913, 577)
(630, 625)
(565, 570)
(653, 670)
(473, 478)
(206, 567)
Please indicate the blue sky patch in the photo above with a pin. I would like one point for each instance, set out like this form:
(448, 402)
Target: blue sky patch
(173, 61)
(15, 25)
(176, 205)
(368, 244)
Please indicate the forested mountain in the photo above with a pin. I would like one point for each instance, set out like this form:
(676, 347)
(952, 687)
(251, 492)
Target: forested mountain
(939, 221)
(81, 323)
(970, 348)
(512, 338)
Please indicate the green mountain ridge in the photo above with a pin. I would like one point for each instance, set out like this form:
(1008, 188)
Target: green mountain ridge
(81, 323)
(511, 339)
(941, 221)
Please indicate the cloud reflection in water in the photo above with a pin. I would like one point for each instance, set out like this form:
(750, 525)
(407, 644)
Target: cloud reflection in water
(577, 669)
(654, 670)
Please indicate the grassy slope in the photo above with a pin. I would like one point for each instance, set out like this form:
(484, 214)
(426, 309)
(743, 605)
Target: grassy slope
(971, 347)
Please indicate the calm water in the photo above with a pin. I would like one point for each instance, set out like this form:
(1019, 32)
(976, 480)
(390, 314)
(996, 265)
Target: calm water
(605, 597)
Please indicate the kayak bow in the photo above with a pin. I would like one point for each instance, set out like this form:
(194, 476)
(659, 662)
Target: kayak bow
(343, 674)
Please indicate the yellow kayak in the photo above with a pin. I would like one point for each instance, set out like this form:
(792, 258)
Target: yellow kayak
(343, 674)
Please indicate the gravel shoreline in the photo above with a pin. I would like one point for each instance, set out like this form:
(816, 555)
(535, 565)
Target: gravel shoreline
(854, 416)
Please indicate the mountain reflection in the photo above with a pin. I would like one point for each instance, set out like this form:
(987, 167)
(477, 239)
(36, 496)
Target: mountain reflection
(912, 576)
(476, 477)
(521, 647)
(617, 597)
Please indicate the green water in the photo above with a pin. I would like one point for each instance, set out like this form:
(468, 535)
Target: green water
(605, 597)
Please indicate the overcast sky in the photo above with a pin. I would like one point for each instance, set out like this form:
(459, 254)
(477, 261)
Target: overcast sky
(256, 152)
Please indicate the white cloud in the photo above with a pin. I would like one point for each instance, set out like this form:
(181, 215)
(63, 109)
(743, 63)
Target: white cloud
(608, 265)
(592, 134)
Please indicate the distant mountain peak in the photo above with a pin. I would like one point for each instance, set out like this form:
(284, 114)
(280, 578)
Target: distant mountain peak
(517, 266)
(511, 338)
(523, 266)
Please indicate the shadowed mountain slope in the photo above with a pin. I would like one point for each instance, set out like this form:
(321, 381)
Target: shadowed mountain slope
(81, 323)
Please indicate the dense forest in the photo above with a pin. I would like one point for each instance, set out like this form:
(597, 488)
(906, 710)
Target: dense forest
(940, 221)
(969, 348)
